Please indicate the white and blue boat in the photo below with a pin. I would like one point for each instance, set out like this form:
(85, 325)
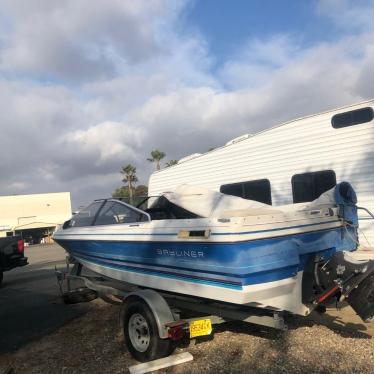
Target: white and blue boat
(205, 244)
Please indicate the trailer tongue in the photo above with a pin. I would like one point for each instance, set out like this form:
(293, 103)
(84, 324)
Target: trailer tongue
(346, 278)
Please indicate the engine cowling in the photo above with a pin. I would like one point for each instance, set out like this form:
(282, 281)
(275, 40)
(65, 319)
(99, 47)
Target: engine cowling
(341, 277)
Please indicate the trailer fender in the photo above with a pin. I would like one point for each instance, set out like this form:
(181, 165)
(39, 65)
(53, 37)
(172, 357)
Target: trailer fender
(158, 306)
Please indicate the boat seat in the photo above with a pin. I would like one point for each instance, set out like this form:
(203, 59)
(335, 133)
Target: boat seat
(164, 209)
(105, 220)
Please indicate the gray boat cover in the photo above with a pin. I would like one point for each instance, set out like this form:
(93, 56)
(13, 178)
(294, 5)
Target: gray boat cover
(208, 203)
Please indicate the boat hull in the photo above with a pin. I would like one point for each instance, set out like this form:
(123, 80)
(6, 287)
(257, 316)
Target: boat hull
(263, 272)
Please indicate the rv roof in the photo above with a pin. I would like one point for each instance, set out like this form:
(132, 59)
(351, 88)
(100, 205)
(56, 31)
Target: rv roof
(247, 136)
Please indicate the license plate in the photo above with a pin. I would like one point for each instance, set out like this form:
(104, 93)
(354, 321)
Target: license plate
(200, 327)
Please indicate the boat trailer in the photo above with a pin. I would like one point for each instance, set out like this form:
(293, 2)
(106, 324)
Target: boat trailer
(152, 321)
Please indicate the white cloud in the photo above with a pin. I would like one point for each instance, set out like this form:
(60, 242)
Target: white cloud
(131, 79)
(18, 186)
(104, 142)
(349, 15)
(254, 62)
(79, 40)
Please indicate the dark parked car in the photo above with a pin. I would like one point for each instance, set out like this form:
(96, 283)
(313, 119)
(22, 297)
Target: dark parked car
(11, 254)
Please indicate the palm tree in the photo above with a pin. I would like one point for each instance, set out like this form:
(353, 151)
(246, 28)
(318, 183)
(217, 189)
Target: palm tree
(129, 171)
(171, 163)
(156, 157)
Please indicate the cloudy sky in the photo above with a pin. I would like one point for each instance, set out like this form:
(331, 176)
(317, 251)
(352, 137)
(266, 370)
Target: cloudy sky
(87, 86)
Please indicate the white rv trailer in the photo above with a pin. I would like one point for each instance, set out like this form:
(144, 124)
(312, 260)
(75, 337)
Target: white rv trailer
(292, 162)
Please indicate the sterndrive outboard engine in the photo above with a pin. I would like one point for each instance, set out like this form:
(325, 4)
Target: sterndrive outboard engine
(346, 278)
(339, 275)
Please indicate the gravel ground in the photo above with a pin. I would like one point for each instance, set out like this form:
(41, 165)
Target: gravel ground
(93, 344)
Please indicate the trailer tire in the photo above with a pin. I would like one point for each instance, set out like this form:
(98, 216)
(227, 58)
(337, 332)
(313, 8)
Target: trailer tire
(79, 295)
(141, 333)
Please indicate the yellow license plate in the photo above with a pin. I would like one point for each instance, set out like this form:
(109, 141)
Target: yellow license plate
(200, 327)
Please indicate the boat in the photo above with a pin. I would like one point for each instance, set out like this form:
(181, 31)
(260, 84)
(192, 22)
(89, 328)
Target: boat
(204, 244)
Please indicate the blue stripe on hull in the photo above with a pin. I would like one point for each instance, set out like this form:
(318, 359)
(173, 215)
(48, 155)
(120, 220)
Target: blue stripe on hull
(235, 263)
(176, 276)
(198, 277)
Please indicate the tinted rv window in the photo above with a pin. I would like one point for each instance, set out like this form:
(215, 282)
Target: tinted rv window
(234, 189)
(309, 186)
(351, 118)
(258, 190)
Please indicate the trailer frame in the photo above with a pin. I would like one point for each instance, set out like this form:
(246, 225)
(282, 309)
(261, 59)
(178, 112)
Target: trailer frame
(166, 308)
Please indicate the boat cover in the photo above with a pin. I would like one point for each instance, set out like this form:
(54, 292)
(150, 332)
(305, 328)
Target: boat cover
(208, 203)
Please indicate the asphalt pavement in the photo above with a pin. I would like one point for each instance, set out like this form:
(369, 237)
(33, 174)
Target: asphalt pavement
(30, 306)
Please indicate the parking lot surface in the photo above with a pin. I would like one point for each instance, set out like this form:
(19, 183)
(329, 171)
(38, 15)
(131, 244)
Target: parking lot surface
(30, 306)
(39, 334)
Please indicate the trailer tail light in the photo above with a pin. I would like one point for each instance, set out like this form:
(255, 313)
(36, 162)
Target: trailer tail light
(20, 246)
(176, 333)
(176, 330)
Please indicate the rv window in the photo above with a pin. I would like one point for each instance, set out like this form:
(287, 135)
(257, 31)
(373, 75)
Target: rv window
(234, 189)
(86, 216)
(114, 212)
(309, 186)
(351, 118)
(258, 190)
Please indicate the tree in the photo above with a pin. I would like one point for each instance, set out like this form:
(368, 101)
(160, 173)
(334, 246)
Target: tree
(129, 171)
(156, 157)
(139, 193)
(171, 163)
(141, 190)
(121, 192)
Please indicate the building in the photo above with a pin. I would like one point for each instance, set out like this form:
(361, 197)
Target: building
(35, 216)
(290, 163)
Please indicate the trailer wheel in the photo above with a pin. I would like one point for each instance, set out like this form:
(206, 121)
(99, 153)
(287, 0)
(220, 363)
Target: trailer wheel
(141, 333)
(79, 295)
